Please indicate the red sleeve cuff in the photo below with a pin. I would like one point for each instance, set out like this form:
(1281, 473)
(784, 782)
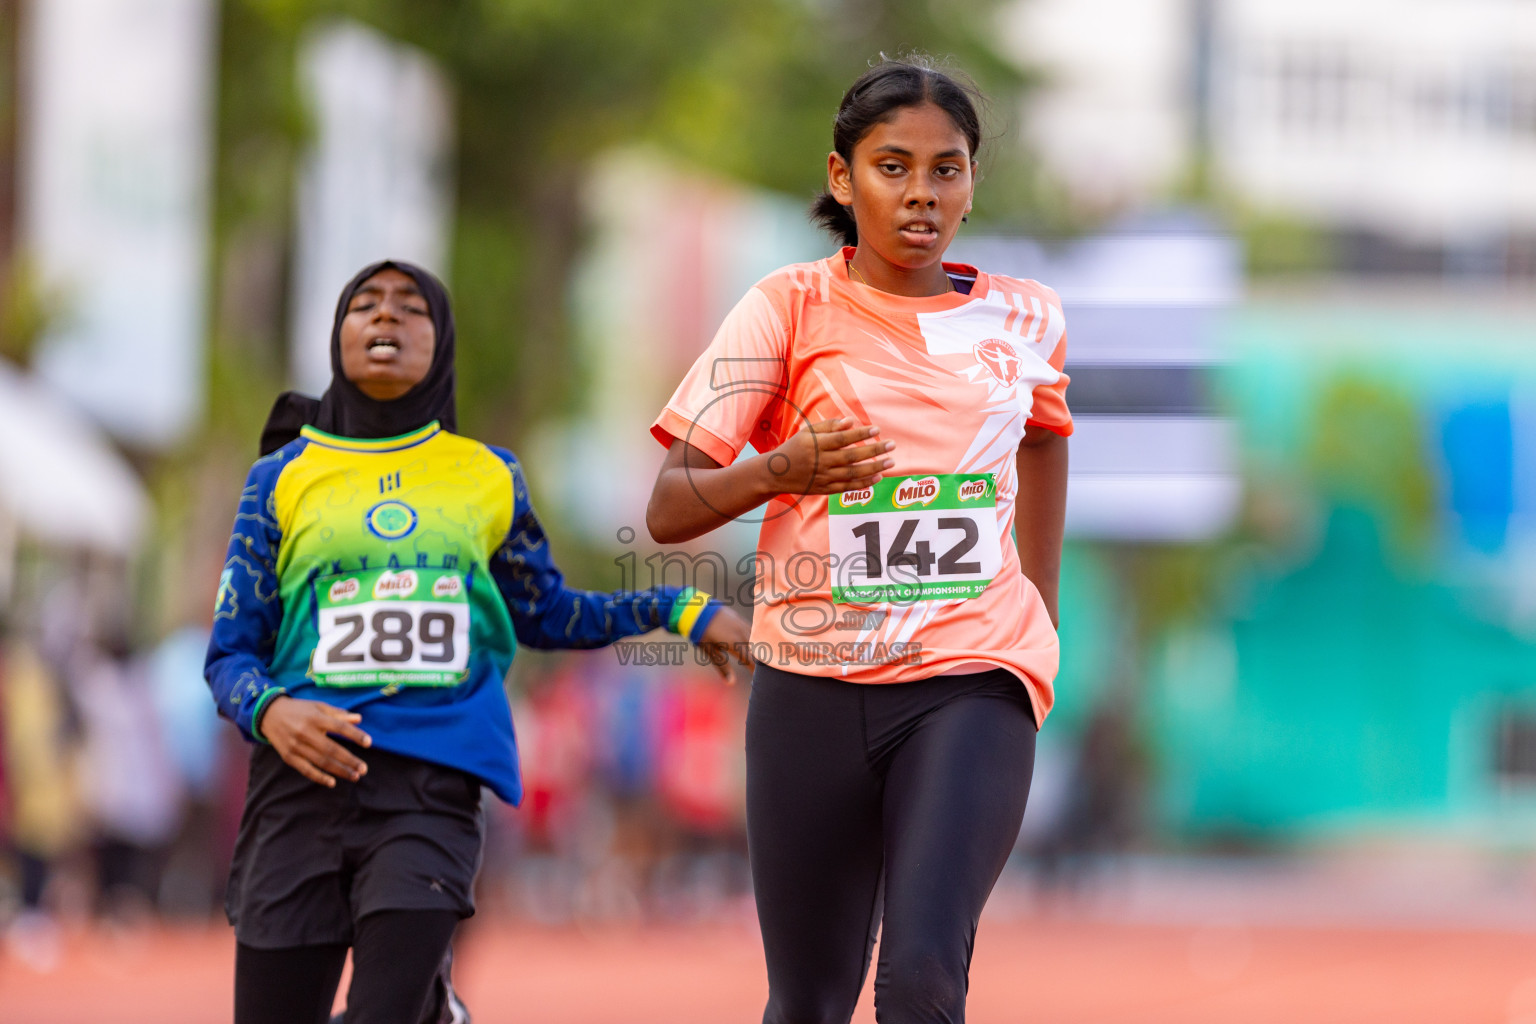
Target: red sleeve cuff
(670, 426)
(1064, 429)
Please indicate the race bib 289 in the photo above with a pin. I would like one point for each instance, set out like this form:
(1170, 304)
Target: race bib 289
(383, 627)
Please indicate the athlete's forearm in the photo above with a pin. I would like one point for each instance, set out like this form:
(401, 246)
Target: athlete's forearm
(548, 614)
(569, 619)
(241, 687)
(694, 494)
(1041, 511)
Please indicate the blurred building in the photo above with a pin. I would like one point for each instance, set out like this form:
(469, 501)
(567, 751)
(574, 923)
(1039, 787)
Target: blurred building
(1415, 119)
(1113, 116)
(1407, 126)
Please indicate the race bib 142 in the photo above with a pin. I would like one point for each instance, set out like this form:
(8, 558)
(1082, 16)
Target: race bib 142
(384, 627)
(915, 538)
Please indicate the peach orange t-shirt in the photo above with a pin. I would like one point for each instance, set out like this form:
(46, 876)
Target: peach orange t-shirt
(918, 575)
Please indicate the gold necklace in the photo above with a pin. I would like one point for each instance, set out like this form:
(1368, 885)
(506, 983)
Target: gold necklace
(852, 270)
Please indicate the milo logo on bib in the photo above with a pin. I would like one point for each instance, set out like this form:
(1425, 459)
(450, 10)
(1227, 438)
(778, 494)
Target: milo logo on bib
(916, 492)
(974, 489)
(394, 584)
(344, 590)
(915, 538)
(852, 499)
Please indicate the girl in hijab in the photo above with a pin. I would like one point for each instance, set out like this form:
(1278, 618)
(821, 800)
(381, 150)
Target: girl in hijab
(381, 573)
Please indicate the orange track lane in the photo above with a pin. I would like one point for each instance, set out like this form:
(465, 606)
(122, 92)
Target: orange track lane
(1055, 970)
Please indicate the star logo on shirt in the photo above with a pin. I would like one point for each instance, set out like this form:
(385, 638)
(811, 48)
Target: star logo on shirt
(1000, 359)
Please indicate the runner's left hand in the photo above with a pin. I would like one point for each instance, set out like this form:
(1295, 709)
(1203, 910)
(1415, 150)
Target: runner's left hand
(726, 637)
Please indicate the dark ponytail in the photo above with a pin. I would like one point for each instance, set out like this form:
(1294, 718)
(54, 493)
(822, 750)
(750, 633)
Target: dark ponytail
(874, 99)
(835, 219)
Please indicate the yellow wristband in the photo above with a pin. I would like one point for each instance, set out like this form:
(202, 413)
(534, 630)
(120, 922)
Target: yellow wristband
(690, 614)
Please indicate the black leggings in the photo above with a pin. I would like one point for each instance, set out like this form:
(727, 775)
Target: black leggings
(395, 959)
(907, 793)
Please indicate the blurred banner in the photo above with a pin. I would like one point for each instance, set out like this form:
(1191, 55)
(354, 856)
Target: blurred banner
(1152, 457)
(114, 203)
(376, 183)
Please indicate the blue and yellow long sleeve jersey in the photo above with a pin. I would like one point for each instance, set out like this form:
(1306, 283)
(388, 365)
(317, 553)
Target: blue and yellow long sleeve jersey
(395, 578)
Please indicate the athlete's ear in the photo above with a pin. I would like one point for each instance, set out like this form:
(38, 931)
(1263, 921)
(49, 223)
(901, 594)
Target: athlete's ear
(839, 178)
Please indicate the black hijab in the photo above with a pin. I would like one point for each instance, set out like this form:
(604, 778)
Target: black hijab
(344, 410)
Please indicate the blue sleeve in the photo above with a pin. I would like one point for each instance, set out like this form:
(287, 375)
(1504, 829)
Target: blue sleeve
(548, 614)
(248, 609)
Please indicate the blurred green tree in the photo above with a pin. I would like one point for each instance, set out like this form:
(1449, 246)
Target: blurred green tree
(1367, 451)
(744, 89)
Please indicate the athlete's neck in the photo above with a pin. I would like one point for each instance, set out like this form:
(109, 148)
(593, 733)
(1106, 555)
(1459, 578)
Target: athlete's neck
(869, 267)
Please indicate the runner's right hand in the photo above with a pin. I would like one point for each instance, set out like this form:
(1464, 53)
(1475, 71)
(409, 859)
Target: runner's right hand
(300, 731)
(728, 636)
(829, 457)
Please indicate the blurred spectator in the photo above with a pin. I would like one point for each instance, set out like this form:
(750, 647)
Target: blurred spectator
(701, 784)
(188, 723)
(700, 775)
(633, 796)
(42, 770)
(1097, 818)
(192, 882)
(132, 790)
(555, 738)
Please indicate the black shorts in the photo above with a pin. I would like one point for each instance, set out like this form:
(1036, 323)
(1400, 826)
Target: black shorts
(310, 861)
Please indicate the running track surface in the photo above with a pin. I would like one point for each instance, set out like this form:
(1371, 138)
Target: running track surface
(1035, 969)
